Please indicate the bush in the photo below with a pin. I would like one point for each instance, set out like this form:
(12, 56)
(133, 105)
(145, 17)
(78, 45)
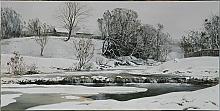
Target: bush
(32, 69)
(84, 52)
(100, 61)
(16, 64)
(88, 66)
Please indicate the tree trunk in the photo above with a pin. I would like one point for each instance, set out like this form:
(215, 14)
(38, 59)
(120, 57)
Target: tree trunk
(157, 47)
(69, 34)
(41, 51)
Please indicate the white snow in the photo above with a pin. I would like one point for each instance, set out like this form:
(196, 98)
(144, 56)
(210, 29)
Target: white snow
(74, 89)
(199, 67)
(71, 97)
(16, 85)
(60, 54)
(101, 78)
(8, 98)
(56, 47)
(45, 65)
(60, 29)
(201, 99)
(57, 53)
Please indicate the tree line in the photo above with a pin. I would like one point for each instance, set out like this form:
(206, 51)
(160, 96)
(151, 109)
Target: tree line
(122, 32)
(208, 38)
(125, 35)
(13, 26)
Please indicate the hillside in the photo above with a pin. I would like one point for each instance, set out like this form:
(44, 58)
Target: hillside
(57, 53)
(55, 48)
(60, 54)
(194, 66)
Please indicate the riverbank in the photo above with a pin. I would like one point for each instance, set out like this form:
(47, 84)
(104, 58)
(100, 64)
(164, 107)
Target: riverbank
(83, 97)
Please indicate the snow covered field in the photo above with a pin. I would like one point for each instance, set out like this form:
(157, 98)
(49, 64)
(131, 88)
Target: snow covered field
(198, 67)
(57, 53)
(60, 54)
(56, 47)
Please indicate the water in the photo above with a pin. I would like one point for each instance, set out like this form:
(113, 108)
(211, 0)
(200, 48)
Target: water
(30, 100)
(154, 89)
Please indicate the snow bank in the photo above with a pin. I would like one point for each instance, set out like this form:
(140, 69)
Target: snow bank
(193, 66)
(204, 99)
(8, 98)
(74, 89)
(16, 85)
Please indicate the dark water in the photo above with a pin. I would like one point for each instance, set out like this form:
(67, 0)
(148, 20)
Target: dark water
(154, 89)
(30, 100)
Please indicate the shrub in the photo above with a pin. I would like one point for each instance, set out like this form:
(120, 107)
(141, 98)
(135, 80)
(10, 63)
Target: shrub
(16, 64)
(84, 52)
(100, 61)
(87, 66)
(32, 69)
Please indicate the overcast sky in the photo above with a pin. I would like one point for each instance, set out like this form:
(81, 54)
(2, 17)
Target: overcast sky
(177, 17)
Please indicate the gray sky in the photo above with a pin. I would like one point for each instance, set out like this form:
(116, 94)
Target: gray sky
(177, 17)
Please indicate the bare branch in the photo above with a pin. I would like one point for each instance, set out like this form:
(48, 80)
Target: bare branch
(71, 15)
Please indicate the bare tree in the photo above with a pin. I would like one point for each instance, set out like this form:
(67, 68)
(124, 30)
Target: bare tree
(11, 24)
(33, 26)
(40, 31)
(207, 39)
(148, 34)
(101, 27)
(155, 43)
(71, 15)
(84, 52)
(212, 27)
(160, 27)
(164, 46)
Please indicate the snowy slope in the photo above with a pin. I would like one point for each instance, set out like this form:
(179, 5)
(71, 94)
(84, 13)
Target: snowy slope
(45, 65)
(193, 66)
(55, 48)
(57, 52)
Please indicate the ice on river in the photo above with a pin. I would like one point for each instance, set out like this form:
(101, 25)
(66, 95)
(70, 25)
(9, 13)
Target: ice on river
(73, 89)
(201, 99)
